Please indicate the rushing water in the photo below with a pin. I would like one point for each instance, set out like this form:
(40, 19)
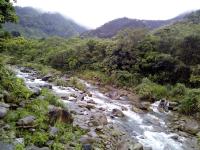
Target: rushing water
(150, 129)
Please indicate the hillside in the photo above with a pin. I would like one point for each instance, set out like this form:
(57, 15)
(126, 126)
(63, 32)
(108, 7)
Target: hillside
(35, 24)
(111, 28)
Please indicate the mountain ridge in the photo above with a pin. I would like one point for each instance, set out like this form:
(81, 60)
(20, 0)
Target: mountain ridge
(36, 24)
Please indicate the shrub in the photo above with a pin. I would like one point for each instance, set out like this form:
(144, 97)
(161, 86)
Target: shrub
(147, 89)
(178, 91)
(191, 102)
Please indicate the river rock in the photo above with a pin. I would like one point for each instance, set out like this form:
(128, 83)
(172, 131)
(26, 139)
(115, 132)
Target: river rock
(29, 120)
(138, 146)
(81, 97)
(48, 86)
(36, 92)
(87, 140)
(26, 70)
(124, 108)
(99, 119)
(87, 147)
(4, 105)
(190, 126)
(64, 97)
(144, 106)
(47, 77)
(137, 110)
(172, 105)
(91, 101)
(117, 113)
(60, 115)
(53, 131)
(90, 106)
(36, 148)
(3, 112)
(81, 104)
(19, 141)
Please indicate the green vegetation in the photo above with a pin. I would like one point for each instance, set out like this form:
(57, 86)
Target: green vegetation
(16, 92)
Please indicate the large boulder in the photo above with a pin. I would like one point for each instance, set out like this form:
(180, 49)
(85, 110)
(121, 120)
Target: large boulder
(3, 112)
(36, 92)
(26, 121)
(47, 77)
(144, 106)
(99, 119)
(137, 110)
(117, 113)
(190, 126)
(87, 140)
(172, 105)
(60, 115)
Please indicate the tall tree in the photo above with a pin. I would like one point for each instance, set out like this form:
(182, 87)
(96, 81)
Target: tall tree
(7, 12)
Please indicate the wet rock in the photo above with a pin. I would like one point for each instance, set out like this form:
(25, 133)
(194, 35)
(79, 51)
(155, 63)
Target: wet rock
(81, 97)
(26, 70)
(4, 105)
(90, 106)
(144, 106)
(91, 101)
(53, 131)
(87, 147)
(48, 86)
(138, 146)
(13, 106)
(99, 119)
(117, 113)
(124, 98)
(73, 95)
(175, 137)
(124, 108)
(36, 148)
(3, 112)
(102, 109)
(137, 110)
(57, 114)
(113, 95)
(172, 105)
(19, 141)
(29, 120)
(190, 126)
(65, 97)
(163, 105)
(87, 140)
(81, 104)
(47, 77)
(36, 92)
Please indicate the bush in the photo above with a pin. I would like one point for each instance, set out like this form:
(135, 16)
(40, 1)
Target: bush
(148, 90)
(179, 90)
(191, 102)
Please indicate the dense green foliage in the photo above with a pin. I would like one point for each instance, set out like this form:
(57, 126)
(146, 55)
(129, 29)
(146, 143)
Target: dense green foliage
(7, 13)
(166, 56)
(17, 93)
(35, 24)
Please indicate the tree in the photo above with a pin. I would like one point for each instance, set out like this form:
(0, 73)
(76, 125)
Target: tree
(7, 12)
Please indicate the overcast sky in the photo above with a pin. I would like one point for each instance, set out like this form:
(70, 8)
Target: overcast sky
(93, 13)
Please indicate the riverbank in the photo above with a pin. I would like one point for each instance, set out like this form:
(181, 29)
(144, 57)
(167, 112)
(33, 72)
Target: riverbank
(138, 126)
